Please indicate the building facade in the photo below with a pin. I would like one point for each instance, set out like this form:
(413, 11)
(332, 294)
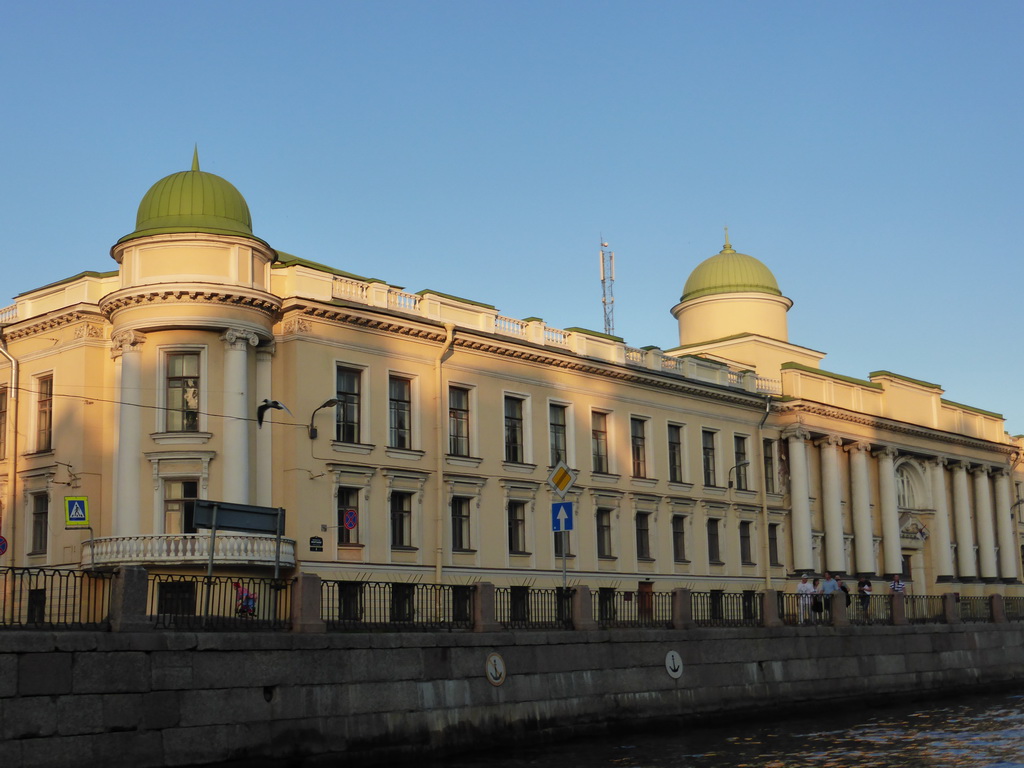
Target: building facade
(417, 431)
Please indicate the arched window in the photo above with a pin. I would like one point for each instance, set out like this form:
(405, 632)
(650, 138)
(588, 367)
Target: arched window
(905, 489)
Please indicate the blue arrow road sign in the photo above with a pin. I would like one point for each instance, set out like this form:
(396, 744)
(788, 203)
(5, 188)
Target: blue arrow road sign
(561, 516)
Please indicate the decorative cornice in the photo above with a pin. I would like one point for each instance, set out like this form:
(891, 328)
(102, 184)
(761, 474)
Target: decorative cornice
(892, 426)
(265, 303)
(479, 344)
(52, 323)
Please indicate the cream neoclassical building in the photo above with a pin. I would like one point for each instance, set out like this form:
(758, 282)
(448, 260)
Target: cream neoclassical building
(421, 429)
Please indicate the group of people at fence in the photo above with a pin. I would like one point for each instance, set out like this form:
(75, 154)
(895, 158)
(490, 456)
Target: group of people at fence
(814, 598)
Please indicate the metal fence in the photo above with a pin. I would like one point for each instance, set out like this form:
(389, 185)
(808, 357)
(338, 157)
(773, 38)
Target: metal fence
(219, 603)
(924, 609)
(383, 606)
(53, 598)
(796, 610)
(1014, 607)
(870, 609)
(613, 608)
(718, 608)
(530, 608)
(975, 609)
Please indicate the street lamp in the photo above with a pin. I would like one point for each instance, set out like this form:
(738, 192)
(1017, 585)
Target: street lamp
(328, 404)
(734, 468)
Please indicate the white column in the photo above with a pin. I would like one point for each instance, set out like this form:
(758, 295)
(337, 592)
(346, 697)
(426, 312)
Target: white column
(942, 548)
(964, 527)
(127, 345)
(1004, 528)
(835, 559)
(888, 501)
(799, 492)
(983, 520)
(264, 437)
(860, 497)
(236, 414)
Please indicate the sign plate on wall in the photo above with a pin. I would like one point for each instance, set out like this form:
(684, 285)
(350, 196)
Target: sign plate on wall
(76, 511)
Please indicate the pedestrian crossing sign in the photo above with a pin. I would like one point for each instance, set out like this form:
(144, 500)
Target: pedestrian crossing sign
(76, 511)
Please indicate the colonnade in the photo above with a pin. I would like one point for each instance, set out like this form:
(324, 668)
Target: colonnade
(234, 425)
(985, 541)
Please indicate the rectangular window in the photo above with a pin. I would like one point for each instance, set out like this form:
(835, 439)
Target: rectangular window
(40, 522)
(679, 538)
(563, 543)
(180, 505)
(346, 427)
(460, 523)
(517, 527)
(746, 553)
(458, 421)
(773, 544)
(399, 412)
(675, 453)
(3, 422)
(740, 461)
(638, 446)
(183, 392)
(401, 519)
(348, 515)
(768, 446)
(707, 441)
(714, 554)
(514, 440)
(44, 413)
(599, 440)
(643, 535)
(604, 533)
(558, 433)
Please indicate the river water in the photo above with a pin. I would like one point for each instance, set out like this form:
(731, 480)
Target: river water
(985, 731)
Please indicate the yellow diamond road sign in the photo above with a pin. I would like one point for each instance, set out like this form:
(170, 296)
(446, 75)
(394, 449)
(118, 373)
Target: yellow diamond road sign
(561, 479)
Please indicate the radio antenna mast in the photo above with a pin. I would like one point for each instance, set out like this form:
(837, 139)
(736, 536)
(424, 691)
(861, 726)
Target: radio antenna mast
(607, 284)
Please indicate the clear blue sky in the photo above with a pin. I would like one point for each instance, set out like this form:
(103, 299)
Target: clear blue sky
(869, 153)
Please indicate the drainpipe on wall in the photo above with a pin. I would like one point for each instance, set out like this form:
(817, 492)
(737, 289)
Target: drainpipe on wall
(764, 497)
(449, 339)
(12, 447)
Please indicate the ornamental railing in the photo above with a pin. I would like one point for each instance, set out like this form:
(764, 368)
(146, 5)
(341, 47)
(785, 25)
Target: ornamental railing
(186, 548)
(366, 606)
(974, 609)
(219, 603)
(924, 609)
(726, 609)
(615, 608)
(53, 598)
(531, 608)
(9, 314)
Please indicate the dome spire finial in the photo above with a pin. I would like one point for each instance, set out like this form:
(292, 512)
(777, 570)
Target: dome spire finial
(727, 246)
(195, 157)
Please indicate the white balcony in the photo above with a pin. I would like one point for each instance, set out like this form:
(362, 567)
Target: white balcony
(187, 549)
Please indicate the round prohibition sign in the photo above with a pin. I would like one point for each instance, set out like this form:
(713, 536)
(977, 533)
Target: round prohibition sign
(351, 519)
(3, 545)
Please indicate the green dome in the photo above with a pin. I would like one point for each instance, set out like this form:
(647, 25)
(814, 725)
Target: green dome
(730, 272)
(192, 201)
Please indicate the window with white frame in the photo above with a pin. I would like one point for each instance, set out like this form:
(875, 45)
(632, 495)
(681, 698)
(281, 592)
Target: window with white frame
(348, 515)
(559, 438)
(401, 520)
(458, 421)
(44, 413)
(40, 511)
(604, 532)
(741, 463)
(675, 453)
(460, 509)
(347, 413)
(180, 496)
(182, 392)
(599, 441)
(746, 546)
(643, 535)
(707, 443)
(517, 527)
(768, 449)
(515, 447)
(679, 538)
(714, 550)
(399, 412)
(638, 446)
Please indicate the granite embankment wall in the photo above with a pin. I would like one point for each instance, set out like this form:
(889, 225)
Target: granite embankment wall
(144, 699)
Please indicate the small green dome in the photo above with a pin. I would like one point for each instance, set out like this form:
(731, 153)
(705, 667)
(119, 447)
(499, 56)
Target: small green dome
(730, 272)
(192, 201)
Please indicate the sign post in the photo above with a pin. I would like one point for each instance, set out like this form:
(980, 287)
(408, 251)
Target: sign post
(561, 481)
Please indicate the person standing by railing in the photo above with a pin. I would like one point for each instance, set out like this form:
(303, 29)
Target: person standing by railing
(804, 596)
(896, 586)
(864, 591)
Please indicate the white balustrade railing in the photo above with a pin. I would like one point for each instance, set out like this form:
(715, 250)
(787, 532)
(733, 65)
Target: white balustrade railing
(735, 379)
(671, 364)
(556, 336)
(510, 326)
(9, 314)
(191, 548)
(634, 355)
(769, 386)
(353, 290)
(409, 302)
